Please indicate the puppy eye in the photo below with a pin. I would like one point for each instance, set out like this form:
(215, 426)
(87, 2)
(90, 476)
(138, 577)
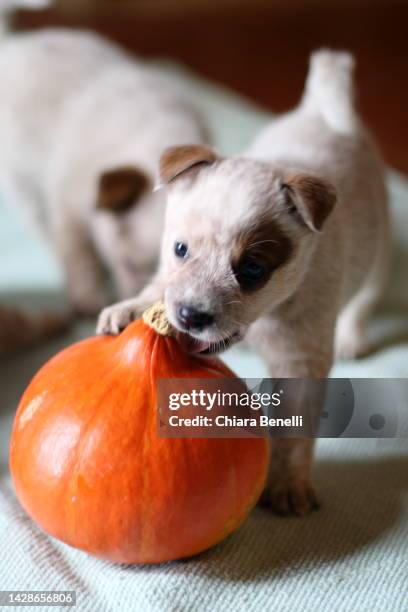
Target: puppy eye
(249, 272)
(180, 249)
(252, 270)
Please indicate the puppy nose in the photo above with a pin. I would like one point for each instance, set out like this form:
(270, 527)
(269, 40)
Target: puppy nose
(192, 318)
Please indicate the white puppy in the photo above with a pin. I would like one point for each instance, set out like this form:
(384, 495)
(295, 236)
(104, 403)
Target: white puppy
(82, 125)
(287, 245)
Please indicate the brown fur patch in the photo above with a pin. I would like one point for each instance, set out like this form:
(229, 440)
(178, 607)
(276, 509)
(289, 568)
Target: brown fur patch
(313, 198)
(265, 244)
(120, 188)
(178, 160)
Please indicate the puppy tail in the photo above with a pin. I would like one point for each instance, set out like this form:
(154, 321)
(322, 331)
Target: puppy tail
(330, 89)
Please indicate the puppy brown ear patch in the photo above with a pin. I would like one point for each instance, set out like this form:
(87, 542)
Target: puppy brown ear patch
(175, 161)
(120, 188)
(312, 197)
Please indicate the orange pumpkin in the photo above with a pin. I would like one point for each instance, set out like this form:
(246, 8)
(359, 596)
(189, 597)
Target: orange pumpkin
(89, 467)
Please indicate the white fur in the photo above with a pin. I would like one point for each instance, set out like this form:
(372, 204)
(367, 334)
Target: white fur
(321, 297)
(333, 97)
(72, 106)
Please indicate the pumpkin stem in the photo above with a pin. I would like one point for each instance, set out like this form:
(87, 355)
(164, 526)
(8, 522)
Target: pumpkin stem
(155, 317)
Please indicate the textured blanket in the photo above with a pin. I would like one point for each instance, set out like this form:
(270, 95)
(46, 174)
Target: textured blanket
(352, 555)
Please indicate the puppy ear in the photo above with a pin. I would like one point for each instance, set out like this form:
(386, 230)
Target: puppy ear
(177, 161)
(313, 198)
(120, 188)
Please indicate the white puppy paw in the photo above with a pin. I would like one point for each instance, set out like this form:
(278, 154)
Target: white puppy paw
(116, 318)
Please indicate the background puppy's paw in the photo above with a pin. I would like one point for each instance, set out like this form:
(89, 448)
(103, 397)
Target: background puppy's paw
(115, 319)
(291, 497)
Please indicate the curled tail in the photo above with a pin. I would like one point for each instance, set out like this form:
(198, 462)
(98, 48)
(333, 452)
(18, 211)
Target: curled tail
(330, 89)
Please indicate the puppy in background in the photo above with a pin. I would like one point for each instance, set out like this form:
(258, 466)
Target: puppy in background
(82, 125)
(17, 329)
(286, 245)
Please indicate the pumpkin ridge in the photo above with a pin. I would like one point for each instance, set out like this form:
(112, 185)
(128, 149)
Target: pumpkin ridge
(155, 339)
(72, 488)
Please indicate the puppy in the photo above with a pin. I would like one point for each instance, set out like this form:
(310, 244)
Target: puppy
(17, 329)
(286, 245)
(82, 125)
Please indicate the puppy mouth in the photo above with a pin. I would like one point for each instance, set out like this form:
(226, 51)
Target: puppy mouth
(196, 346)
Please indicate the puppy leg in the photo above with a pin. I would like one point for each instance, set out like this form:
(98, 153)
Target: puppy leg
(289, 488)
(82, 267)
(130, 282)
(114, 319)
(290, 352)
(352, 326)
(351, 330)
